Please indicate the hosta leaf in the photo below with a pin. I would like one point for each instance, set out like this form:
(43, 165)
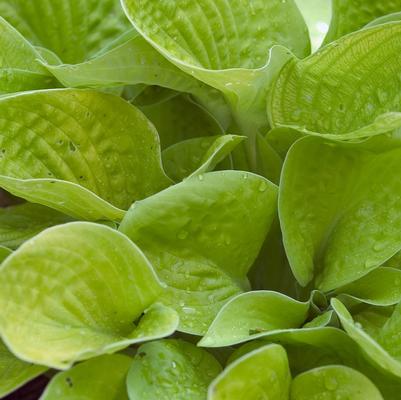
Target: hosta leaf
(351, 15)
(382, 287)
(21, 222)
(317, 14)
(110, 283)
(344, 86)
(197, 248)
(225, 44)
(137, 62)
(20, 68)
(339, 211)
(334, 380)
(74, 30)
(102, 378)
(253, 315)
(321, 320)
(312, 348)
(82, 152)
(179, 119)
(381, 343)
(171, 369)
(14, 372)
(394, 17)
(197, 156)
(262, 373)
(4, 253)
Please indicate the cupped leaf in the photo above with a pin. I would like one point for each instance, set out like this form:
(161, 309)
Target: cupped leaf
(343, 87)
(339, 210)
(14, 372)
(197, 247)
(179, 119)
(253, 315)
(262, 373)
(333, 381)
(312, 348)
(74, 30)
(20, 68)
(378, 337)
(84, 153)
(351, 15)
(109, 284)
(102, 378)
(226, 45)
(381, 287)
(321, 320)
(197, 156)
(20, 222)
(137, 62)
(171, 369)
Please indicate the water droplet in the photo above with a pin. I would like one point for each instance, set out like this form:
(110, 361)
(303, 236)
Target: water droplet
(370, 263)
(358, 325)
(173, 364)
(379, 246)
(330, 383)
(200, 177)
(262, 187)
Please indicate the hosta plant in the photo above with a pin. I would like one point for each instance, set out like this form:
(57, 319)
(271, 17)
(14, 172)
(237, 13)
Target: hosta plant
(201, 199)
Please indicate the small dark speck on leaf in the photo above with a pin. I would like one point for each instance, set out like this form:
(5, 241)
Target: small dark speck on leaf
(142, 354)
(69, 381)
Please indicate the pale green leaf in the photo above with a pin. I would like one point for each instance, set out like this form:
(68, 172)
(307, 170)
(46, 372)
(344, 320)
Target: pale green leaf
(110, 284)
(137, 62)
(260, 374)
(321, 320)
(84, 153)
(351, 15)
(312, 348)
(197, 156)
(381, 344)
(227, 45)
(171, 369)
(74, 30)
(14, 372)
(197, 247)
(102, 378)
(254, 315)
(339, 210)
(343, 87)
(20, 67)
(21, 222)
(380, 287)
(333, 382)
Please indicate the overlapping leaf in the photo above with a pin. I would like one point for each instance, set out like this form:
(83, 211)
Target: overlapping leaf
(351, 15)
(339, 210)
(343, 87)
(84, 153)
(171, 369)
(21, 222)
(102, 378)
(74, 30)
(253, 315)
(262, 373)
(197, 156)
(226, 45)
(197, 247)
(334, 380)
(20, 67)
(76, 291)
